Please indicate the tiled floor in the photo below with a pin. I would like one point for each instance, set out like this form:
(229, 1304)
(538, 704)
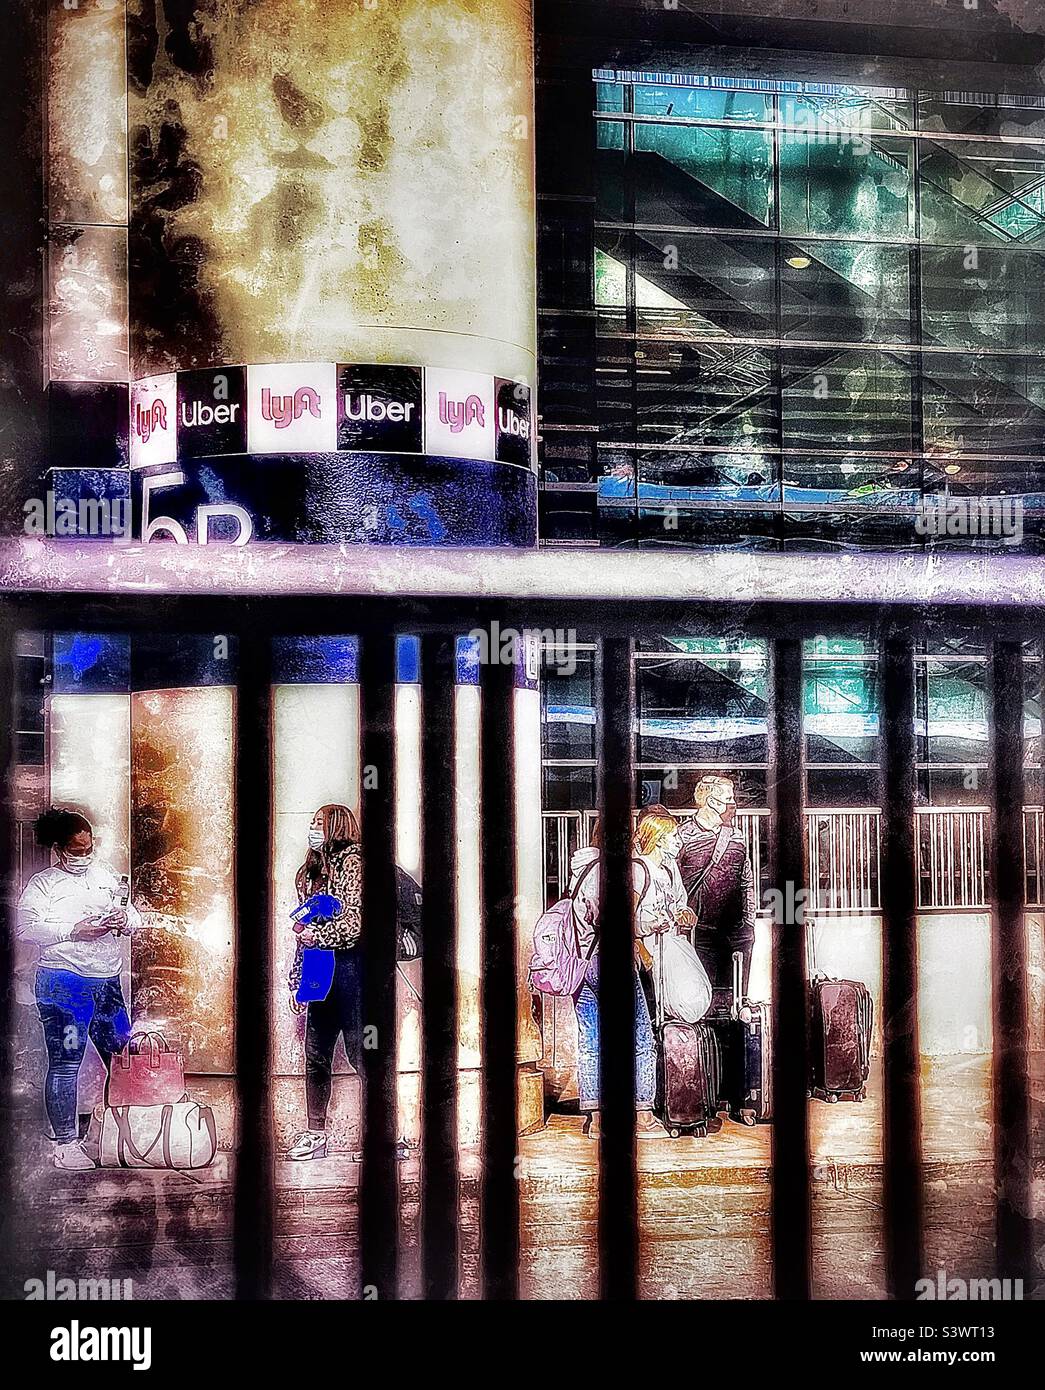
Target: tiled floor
(703, 1209)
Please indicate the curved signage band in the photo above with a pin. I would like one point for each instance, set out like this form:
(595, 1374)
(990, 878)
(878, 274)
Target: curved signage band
(329, 408)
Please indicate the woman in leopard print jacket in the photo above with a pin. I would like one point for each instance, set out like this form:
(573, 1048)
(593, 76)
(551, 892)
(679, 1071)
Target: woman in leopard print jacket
(331, 866)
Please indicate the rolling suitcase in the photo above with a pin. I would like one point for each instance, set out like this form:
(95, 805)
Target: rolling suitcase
(689, 1074)
(745, 1032)
(841, 1014)
(840, 1017)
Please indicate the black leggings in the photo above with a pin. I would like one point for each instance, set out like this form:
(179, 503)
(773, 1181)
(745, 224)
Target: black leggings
(340, 1014)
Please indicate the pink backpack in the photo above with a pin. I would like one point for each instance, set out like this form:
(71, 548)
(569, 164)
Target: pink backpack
(557, 966)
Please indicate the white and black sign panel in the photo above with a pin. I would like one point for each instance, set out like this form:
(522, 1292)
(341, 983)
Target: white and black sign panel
(513, 422)
(327, 408)
(212, 412)
(380, 409)
(153, 433)
(292, 408)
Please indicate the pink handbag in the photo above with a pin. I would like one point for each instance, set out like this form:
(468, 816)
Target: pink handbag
(147, 1072)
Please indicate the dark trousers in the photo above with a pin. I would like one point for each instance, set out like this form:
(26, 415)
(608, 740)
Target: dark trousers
(340, 1014)
(717, 959)
(73, 1008)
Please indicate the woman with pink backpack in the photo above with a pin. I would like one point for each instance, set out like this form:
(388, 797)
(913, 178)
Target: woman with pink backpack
(584, 894)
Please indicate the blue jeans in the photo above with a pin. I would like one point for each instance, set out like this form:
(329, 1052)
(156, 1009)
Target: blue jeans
(587, 1005)
(73, 1008)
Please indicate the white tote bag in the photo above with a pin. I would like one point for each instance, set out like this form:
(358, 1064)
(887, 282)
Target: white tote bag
(681, 980)
(158, 1136)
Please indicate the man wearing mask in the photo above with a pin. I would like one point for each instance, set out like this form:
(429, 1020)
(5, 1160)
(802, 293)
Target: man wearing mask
(720, 888)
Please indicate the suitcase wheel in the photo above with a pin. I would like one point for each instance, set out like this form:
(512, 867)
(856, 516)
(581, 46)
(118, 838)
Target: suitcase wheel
(674, 1132)
(832, 1098)
(809, 1095)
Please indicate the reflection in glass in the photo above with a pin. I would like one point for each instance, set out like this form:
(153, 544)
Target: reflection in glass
(859, 185)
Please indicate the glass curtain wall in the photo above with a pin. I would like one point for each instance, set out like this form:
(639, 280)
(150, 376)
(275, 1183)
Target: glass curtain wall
(818, 317)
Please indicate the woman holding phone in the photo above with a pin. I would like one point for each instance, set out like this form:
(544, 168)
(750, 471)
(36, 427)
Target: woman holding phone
(76, 913)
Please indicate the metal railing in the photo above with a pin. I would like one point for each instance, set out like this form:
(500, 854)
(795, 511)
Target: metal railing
(844, 849)
(952, 857)
(565, 832)
(844, 859)
(783, 827)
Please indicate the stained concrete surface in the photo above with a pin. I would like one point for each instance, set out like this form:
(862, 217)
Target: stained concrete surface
(703, 1210)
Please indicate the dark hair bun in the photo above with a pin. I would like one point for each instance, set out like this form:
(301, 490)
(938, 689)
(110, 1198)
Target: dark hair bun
(56, 827)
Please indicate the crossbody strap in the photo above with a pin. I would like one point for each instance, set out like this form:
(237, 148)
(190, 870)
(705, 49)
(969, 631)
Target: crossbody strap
(724, 837)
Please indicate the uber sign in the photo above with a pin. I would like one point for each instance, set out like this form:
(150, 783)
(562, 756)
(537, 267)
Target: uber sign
(380, 408)
(513, 422)
(212, 412)
(327, 407)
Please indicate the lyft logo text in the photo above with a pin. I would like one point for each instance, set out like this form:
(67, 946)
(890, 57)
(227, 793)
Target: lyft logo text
(284, 410)
(291, 408)
(460, 414)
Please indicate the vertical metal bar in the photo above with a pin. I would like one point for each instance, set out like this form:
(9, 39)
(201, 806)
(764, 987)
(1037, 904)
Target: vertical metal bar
(23, 280)
(439, 1165)
(902, 1176)
(816, 897)
(618, 1206)
(1011, 1081)
(791, 1200)
(500, 1191)
(9, 892)
(379, 1180)
(254, 1199)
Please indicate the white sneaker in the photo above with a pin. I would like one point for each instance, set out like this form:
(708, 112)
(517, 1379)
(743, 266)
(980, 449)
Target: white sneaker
(310, 1143)
(71, 1157)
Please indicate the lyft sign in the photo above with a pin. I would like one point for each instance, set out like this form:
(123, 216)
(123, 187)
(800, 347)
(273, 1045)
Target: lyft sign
(459, 414)
(154, 403)
(292, 408)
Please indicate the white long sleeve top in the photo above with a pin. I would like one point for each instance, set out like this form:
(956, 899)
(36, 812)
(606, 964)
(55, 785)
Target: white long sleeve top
(52, 903)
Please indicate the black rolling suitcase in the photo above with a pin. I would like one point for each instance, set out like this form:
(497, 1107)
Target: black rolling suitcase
(689, 1074)
(744, 1029)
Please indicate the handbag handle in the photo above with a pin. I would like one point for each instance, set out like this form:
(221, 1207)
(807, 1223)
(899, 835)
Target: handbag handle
(154, 1038)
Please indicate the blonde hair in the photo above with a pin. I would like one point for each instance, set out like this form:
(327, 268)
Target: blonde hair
(652, 828)
(706, 786)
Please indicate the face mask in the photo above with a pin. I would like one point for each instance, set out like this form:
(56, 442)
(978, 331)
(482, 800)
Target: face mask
(315, 839)
(75, 863)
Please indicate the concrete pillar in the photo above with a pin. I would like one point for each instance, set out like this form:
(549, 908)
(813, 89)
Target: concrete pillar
(334, 197)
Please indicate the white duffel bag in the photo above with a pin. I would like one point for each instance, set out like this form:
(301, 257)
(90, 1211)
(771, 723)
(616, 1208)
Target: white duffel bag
(158, 1136)
(682, 984)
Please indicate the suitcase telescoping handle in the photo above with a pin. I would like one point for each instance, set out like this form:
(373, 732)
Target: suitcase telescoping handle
(738, 967)
(659, 991)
